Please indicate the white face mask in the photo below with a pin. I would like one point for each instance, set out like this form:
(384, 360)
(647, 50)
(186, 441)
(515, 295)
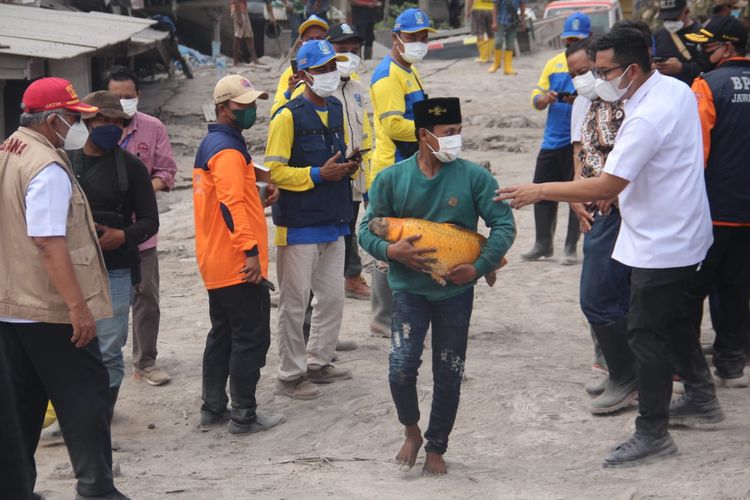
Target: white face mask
(326, 84)
(450, 147)
(346, 68)
(76, 137)
(586, 85)
(413, 52)
(673, 26)
(129, 106)
(609, 90)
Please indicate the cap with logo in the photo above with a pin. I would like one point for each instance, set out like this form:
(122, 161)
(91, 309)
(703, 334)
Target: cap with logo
(311, 21)
(412, 21)
(669, 10)
(236, 88)
(724, 29)
(577, 25)
(437, 111)
(342, 32)
(49, 94)
(108, 104)
(314, 53)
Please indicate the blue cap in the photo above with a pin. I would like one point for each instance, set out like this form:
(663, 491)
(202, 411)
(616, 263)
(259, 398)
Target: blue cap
(412, 21)
(577, 25)
(314, 53)
(311, 21)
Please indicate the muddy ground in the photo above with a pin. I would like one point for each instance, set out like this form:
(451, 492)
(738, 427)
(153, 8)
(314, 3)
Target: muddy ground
(523, 429)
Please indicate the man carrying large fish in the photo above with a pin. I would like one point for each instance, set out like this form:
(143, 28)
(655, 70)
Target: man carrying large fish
(422, 219)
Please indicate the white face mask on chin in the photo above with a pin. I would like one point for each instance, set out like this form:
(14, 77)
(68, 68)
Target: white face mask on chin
(450, 147)
(325, 84)
(413, 52)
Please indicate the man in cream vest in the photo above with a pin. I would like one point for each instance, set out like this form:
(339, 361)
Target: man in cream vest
(53, 287)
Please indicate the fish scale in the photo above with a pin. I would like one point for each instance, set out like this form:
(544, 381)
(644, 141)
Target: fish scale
(455, 245)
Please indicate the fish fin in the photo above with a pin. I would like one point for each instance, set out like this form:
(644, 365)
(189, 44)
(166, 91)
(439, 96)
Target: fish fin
(438, 278)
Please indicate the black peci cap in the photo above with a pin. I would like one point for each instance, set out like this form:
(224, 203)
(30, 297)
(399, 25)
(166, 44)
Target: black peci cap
(437, 111)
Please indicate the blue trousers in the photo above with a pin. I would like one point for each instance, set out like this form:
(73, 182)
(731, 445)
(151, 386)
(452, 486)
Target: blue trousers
(605, 282)
(113, 332)
(412, 315)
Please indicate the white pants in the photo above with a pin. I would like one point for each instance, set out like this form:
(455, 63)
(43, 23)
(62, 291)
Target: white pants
(300, 269)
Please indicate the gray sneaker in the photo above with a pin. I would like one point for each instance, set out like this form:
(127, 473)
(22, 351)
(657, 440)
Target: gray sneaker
(262, 422)
(686, 411)
(297, 389)
(328, 374)
(346, 345)
(640, 450)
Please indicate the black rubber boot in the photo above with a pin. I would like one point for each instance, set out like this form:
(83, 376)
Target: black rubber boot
(621, 389)
(570, 255)
(545, 220)
(113, 393)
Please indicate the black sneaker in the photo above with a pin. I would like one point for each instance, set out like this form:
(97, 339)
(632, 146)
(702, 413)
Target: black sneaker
(640, 450)
(211, 420)
(685, 411)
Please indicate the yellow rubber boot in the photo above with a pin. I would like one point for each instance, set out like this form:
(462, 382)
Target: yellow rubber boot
(49, 416)
(509, 63)
(482, 49)
(498, 61)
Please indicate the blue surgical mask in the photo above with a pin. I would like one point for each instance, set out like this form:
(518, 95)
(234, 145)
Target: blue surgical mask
(106, 137)
(736, 12)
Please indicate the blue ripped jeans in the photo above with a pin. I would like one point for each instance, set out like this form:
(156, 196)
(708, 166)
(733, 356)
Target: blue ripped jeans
(450, 318)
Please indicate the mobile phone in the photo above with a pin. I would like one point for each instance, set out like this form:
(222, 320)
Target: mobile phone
(563, 95)
(357, 154)
(264, 282)
(658, 59)
(294, 66)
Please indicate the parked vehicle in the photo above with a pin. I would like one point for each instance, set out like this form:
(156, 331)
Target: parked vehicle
(603, 13)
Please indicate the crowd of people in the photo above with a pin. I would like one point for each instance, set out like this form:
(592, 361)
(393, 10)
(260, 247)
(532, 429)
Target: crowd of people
(653, 171)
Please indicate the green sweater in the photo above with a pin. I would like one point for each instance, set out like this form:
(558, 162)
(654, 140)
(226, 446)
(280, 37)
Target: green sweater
(459, 194)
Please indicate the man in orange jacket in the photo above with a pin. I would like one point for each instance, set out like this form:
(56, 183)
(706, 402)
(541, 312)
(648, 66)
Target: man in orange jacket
(724, 108)
(231, 246)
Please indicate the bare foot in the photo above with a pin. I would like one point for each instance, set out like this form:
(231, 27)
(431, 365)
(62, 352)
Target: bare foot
(407, 455)
(434, 464)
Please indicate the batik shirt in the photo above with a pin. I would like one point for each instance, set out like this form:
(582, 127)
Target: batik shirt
(600, 128)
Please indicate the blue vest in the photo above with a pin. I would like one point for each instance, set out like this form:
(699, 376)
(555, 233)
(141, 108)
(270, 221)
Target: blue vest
(728, 168)
(328, 202)
(220, 137)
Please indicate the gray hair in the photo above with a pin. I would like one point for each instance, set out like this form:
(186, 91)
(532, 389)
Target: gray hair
(31, 119)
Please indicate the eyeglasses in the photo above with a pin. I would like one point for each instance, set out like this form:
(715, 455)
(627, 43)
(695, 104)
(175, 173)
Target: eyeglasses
(601, 73)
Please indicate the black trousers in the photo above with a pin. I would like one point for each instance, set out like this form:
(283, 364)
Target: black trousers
(236, 348)
(725, 270)
(44, 365)
(258, 25)
(554, 165)
(663, 342)
(14, 471)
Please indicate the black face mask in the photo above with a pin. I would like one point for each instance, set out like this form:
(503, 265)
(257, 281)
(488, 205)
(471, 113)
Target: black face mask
(708, 55)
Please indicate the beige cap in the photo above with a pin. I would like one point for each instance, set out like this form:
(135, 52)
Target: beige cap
(238, 89)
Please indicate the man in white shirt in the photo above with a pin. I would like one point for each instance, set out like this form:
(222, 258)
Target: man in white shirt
(656, 168)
